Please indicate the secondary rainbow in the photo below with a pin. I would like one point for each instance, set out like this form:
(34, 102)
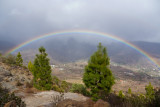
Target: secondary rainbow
(94, 33)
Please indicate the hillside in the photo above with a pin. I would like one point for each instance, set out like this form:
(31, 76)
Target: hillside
(5, 46)
(71, 50)
(150, 47)
(19, 80)
(73, 72)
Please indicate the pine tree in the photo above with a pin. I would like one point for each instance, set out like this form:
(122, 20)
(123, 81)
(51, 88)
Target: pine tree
(150, 93)
(121, 95)
(129, 91)
(42, 71)
(19, 60)
(98, 76)
(30, 66)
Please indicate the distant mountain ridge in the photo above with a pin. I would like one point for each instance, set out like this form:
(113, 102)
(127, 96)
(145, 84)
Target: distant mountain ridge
(150, 47)
(5, 46)
(72, 49)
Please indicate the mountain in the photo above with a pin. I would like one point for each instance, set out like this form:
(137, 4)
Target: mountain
(150, 47)
(5, 45)
(72, 49)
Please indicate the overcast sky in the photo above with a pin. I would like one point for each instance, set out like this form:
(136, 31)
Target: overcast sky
(129, 19)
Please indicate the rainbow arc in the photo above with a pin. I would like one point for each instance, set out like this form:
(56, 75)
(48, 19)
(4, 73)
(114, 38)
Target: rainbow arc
(85, 32)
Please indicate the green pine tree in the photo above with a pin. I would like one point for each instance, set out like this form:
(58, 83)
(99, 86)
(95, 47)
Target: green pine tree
(30, 66)
(121, 95)
(129, 91)
(19, 60)
(98, 76)
(42, 71)
(150, 93)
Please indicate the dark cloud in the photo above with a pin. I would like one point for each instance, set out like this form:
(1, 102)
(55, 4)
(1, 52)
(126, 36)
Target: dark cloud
(130, 19)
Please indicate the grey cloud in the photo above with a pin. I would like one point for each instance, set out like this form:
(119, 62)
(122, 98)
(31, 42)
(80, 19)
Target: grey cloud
(129, 19)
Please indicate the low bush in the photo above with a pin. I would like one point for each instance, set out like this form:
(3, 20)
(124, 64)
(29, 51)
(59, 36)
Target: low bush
(5, 97)
(150, 99)
(57, 88)
(79, 88)
(60, 86)
(19, 83)
(29, 84)
(55, 80)
(10, 59)
(29, 90)
(57, 98)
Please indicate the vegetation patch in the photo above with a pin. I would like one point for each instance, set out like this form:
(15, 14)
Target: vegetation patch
(5, 97)
(80, 88)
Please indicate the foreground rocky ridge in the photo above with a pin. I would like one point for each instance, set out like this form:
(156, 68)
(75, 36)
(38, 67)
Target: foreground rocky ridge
(11, 77)
(15, 78)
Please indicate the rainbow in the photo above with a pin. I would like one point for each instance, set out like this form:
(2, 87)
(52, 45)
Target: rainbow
(149, 57)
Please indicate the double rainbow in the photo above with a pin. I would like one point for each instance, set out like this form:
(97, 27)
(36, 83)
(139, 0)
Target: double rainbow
(149, 57)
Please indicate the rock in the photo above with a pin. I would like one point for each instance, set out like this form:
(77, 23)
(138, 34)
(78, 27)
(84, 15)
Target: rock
(68, 103)
(1, 78)
(101, 103)
(10, 104)
(89, 103)
(7, 73)
(73, 103)
(47, 105)
(22, 79)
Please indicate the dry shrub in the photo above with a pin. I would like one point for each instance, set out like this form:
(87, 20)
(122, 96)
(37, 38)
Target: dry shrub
(29, 90)
(19, 83)
(29, 85)
(58, 98)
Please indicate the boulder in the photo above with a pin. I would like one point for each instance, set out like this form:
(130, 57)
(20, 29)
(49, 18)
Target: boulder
(101, 103)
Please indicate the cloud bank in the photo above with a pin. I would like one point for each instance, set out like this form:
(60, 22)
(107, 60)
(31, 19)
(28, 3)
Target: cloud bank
(132, 20)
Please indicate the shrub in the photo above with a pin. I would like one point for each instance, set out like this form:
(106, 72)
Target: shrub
(60, 86)
(79, 88)
(56, 99)
(30, 66)
(65, 86)
(129, 91)
(5, 97)
(136, 100)
(10, 59)
(121, 95)
(150, 93)
(156, 101)
(57, 88)
(29, 90)
(55, 80)
(29, 84)
(19, 83)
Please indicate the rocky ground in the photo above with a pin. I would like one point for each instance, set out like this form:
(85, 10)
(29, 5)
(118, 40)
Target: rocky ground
(15, 79)
(50, 98)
